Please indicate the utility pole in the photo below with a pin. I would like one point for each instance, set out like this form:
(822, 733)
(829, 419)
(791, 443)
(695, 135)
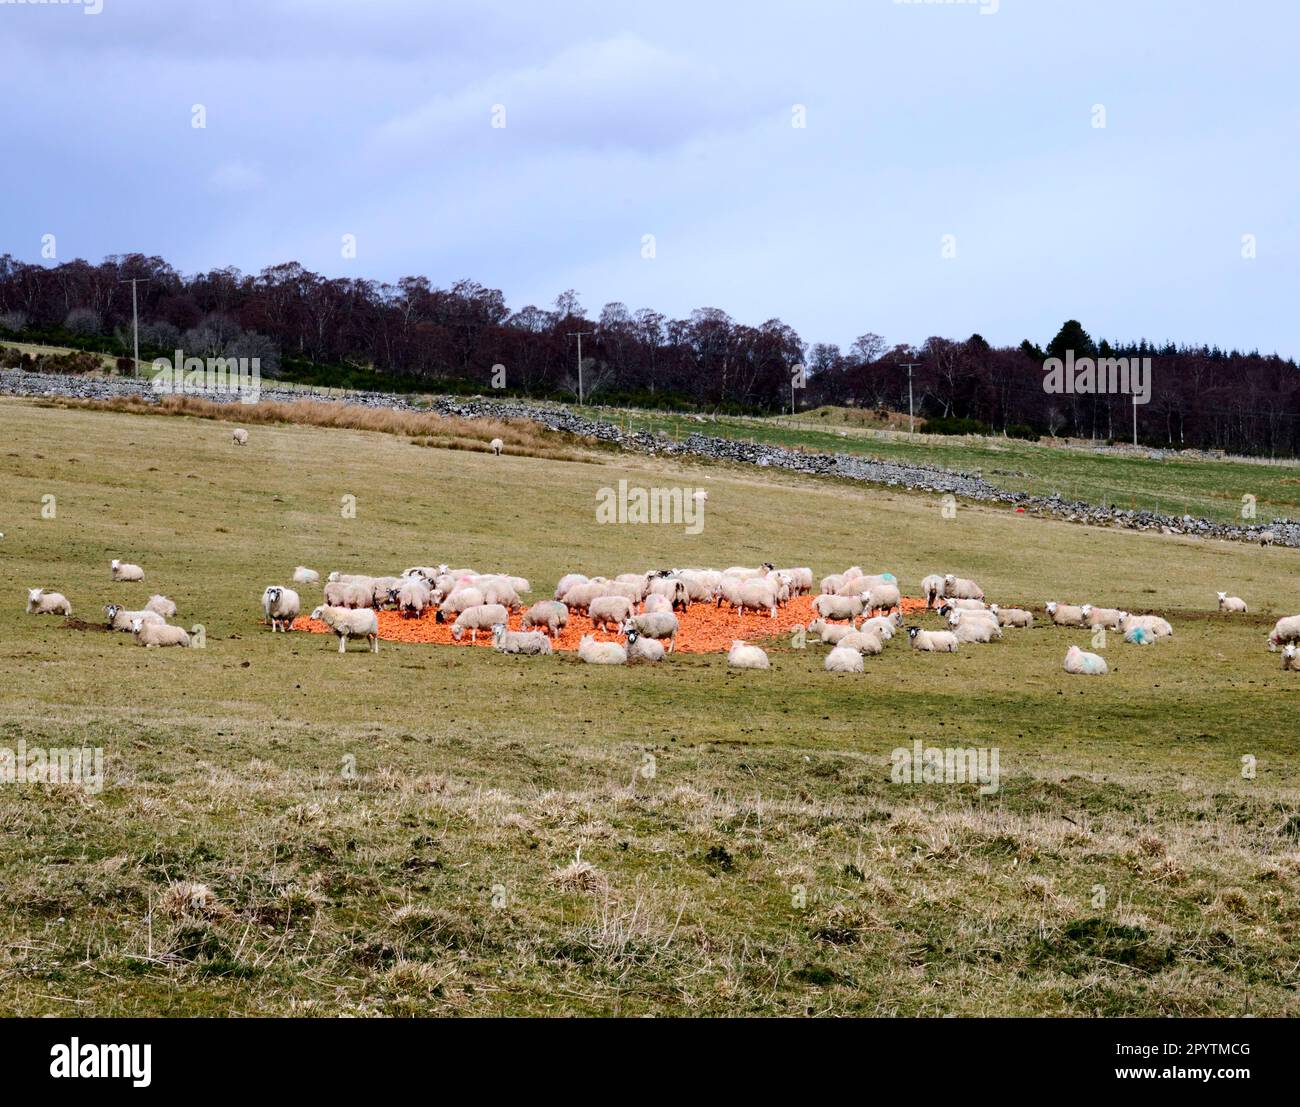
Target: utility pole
(911, 419)
(1135, 421)
(579, 335)
(135, 316)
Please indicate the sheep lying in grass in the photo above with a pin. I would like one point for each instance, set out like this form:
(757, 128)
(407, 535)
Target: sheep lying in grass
(744, 656)
(281, 607)
(863, 641)
(601, 653)
(1012, 616)
(240, 436)
(152, 635)
(957, 588)
(480, 617)
(881, 625)
(1082, 663)
(609, 612)
(1286, 629)
(1290, 659)
(516, 641)
(41, 602)
(303, 575)
(946, 606)
(119, 619)
(844, 659)
(838, 607)
(643, 649)
(161, 604)
(1108, 617)
(1231, 604)
(933, 641)
(124, 570)
(1065, 614)
(975, 630)
(547, 615)
(1152, 624)
(349, 622)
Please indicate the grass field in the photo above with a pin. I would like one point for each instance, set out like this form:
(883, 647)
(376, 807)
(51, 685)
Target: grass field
(439, 830)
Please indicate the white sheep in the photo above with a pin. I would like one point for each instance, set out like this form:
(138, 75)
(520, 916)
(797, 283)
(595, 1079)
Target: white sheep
(1152, 624)
(496, 446)
(594, 652)
(516, 641)
(658, 625)
(498, 590)
(118, 619)
(152, 635)
(654, 603)
(801, 579)
(957, 588)
(480, 617)
(932, 589)
(124, 570)
(609, 612)
(1064, 614)
(240, 436)
(161, 604)
(933, 641)
(1286, 629)
(844, 659)
(1231, 603)
(881, 597)
(569, 580)
(758, 594)
(1013, 616)
(1082, 663)
(863, 641)
(975, 630)
(411, 597)
(744, 656)
(643, 649)
(1108, 617)
(882, 625)
(303, 575)
(281, 606)
(460, 600)
(348, 623)
(961, 605)
(838, 607)
(345, 593)
(1290, 658)
(41, 602)
(548, 615)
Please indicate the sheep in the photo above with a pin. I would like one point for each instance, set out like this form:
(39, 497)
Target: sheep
(426, 573)
(459, 601)
(881, 625)
(161, 604)
(657, 625)
(480, 617)
(831, 584)
(502, 592)
(832, 633)
(862, 641)
(348, 623)
(119, 619)
(1267, 538)
(700, 583)
(124, 570)
(240, 436)
(1231, 603)
(637, 581)
(601, 653)
(976, 630)
(568, 581)
(1065, 615)
(609, 612)
(855, 586)
(960, 605)
(758, 594)
(744, 656)
(41, 602)
(844, 659)
(838, 607)
(152, 635)
(1012, 616)
(959, 589)
(411, 597)
(655, 604)
(380, 587)
(1082, 663)
(1108, 617)
(339, 593)
(281, 607)
(515, 641)
(1290, 659)
(932, 589)
(748, 574)
(801, 580)
(496, 446)
(1152, 624)
(303, 575)
(882, 597)
(549, 615)
(1286, 629)
(933, 641)
(643, 649)
(727, 588)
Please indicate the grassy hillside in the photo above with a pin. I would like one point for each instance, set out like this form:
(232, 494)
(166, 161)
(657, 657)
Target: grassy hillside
(397, 833)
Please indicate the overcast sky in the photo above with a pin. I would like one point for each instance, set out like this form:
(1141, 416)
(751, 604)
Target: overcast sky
(674, 119)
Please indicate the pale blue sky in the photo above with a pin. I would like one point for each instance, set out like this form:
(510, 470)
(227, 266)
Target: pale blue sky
(674, 119)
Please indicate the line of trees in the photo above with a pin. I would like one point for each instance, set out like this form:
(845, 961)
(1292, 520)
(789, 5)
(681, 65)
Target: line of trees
(414, 334)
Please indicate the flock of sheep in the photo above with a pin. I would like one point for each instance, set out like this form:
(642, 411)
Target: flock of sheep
(857, 613)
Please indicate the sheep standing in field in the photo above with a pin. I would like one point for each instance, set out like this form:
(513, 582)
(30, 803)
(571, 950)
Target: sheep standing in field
(883, 597)
(240, 436)
(1108, 617)
(658, 626)
(844, 659)
(41, 602)
(303, 575)
(609, 612)
(119, 619)
(500, 591)
(496, 446)
(550, 616)
(1082, 663)
(569, 580)
(601, 653)
(341, 593)
(1231, 604)
(801, 580)
(933, 641)
(161, 604)
(516, 641)
(124, 570)
(1012, 616)
(1065, 614)
(654, 603)
(153, 635)
(281, 607)
(744, 656)
(643, 649)
(411, 597)
(481, 617)
(838, 607)
(1286, 629)
(932, 589)
(957, 588)
(758, 594)
(349, 622)
(1290, 659)
(462, 599)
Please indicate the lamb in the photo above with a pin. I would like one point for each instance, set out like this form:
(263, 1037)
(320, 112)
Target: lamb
(411, 597)
(281, 607)
(516, 641)
(933, 641)
(122, 620)
(1231, 603)
(161, 604)
(1082, 663)
(609, 612)
(601, 653)
(838, 607)
(1065, 615)
(882, 597)
(960, 589)
(862, 641)
(348, 623)
(1012, 616)
(338, 593)
(1108, 617)
(1290, 659)
(743, 656)
(496, 446)
(758, 594)
(240, 436)
(844, 659)
(549, 615)
(124, 570)
(480, 617)
(568, 581)
(643, 649)
(1152, 624)
(41, 602)
(1286, 629)
(303, 575)
(656, 625)
(932, 589)
(152, 635)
